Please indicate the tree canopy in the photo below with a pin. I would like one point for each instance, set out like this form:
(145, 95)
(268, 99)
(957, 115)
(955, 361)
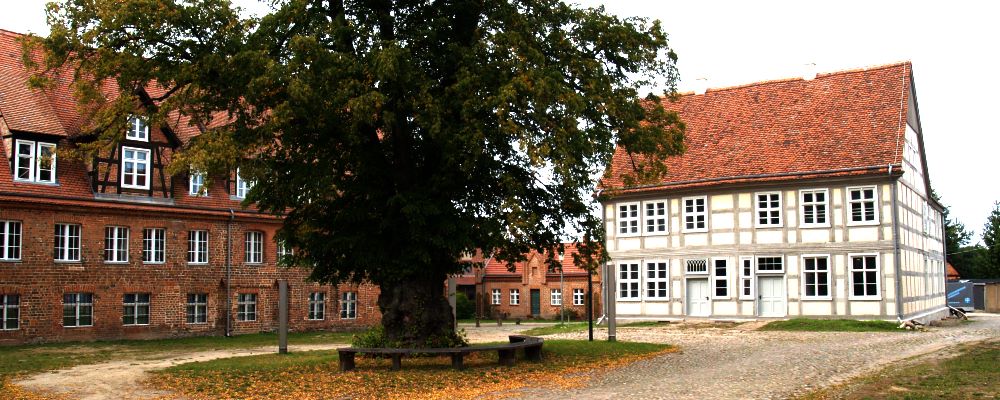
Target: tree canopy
(394, 136)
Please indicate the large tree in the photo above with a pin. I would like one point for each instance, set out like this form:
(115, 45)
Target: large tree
(393, 135)
(991, 238)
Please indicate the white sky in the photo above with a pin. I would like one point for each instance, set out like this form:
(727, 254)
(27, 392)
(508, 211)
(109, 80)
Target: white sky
(952, 46)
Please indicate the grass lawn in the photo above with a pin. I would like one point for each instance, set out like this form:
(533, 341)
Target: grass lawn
(36, 358)
(316, 374)
(582, 326)
(972, 373)
(831, 325)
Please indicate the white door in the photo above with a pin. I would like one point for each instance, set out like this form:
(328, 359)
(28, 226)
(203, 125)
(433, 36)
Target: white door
(697, 298)
(771, 296)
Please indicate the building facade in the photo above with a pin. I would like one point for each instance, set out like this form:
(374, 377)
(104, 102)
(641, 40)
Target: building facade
(113, 247)
(802, 197)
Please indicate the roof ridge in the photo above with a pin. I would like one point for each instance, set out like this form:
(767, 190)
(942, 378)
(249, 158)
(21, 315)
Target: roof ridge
(11, 33)
(799, 78)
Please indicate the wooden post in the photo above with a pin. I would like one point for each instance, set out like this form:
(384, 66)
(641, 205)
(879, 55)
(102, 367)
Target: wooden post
(282, 317)
(609, 277)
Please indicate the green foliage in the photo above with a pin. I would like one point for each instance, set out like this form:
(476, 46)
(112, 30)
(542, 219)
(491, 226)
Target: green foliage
(969, 260)
(464, 308)
(556, 328)
(392, 136)
(991, 238)
(830, 325)
(569, 314)
(374, 337)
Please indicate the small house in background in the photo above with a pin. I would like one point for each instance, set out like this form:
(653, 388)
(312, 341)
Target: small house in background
(952, 273)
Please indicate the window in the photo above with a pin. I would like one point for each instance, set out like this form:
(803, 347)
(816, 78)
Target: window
(770, 264)
(930, 221)
(10, 312)
(317, 305)
(720, 280)
(198, 247)
(197, 308)
(196, 184)
(78, 309)
(242, 186)
(137, 129)
(515, 297)
(246, 307)
(555, 297)
(67, 246)
(628, 219)
(154, 244)
(254, 247)
(495, 299)
(695, 214)
(698, 266)
(656, 217)
(577, 297)
(136, 309)
(656, 279)
(746, 278)
(817, 277)
(769, 210)
(35, 161)
(116, 244)
(862, 204)
(284, 250)
(10, 240)
(864, 277)
(349, 305)
(813, 208)
(135, 168)
(628, 280)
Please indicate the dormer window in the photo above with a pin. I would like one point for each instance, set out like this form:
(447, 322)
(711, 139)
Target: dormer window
(35, 161)
(197, 184)
(137, 129)
(242, 186)
(135, 168)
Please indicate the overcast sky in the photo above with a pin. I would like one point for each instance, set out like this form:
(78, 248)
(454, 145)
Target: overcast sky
(953, 47)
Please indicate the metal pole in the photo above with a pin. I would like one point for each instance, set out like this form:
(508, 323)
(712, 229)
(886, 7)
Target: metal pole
(562, 298)
(452, 301)
(609, 276)
(282, 317)
(590, 304)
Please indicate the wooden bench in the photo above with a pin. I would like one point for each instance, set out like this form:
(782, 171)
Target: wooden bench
(507, 353)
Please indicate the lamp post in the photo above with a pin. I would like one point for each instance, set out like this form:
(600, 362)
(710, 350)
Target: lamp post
(562, 291)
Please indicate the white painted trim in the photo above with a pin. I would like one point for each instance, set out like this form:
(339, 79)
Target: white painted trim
(665, 217)
(714, 277)
(756, 264)
(849, 204)
(637, 219)
(878, 277)
(826, 208)
(684, 214)
(742, 276)
(802, 277)
(644, 276)
(757, 209)
(708, 267)
(685, 295)
(147, 162)
(784, 284)
(618, 280)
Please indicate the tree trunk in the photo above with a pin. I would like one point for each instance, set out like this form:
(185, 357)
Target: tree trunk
(416, 313)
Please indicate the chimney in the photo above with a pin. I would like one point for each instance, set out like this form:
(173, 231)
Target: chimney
(809, 71)
(700, 85)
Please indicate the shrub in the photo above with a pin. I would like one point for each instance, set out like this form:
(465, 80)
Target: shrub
(464, 308)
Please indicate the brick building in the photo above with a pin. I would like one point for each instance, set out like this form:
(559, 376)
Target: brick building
(532, 290)
(113, 247)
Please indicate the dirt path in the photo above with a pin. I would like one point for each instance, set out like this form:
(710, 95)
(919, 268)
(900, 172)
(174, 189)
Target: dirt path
(736, 363)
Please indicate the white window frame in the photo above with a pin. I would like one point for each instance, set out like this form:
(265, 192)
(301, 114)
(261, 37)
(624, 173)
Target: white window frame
(283, 250)
(137, 305)
(768, 209)
(630, 224)
(349, 305)
(116, 244)
(826, 208)
(758, 271)
(317, 306)
(555, 297)
(254, 247)
(10, 240)
(653, 281)
(578, 297)
(135, 162)
(688, 264)
(154, 245)
(724, 279)
(197, 246)
(630, 286)
(10, 310)
(135, 123)
(495, 297)
(196, 308)
(850, 277)
(656, 217)
(67, 243)
(77, 305)
(246, 307)
(515, 297)
(34, 161)
(860, 203)
(196, 182)
(242, 186)
(747, 267)
(694, 214)
(829, 277)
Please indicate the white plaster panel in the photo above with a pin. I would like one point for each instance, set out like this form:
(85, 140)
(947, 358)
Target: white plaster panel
(838, 236)
(745, 200)
(839, 265)
(864, 234)
(816, 236)
(865, 308)
(791, 219)
(675, 288)
(721, 202)
(748, 310)
(890, 308)
(658, 308)
(793, 236)
(657, 242)
(887, 233)
(746, 219)
(838, 217)
(724, 308)
(746, 237)
(722, 221)
(675, 241)
(723, 238)
(817, 308)
(840, 290)
(611, 244)
(677, 308)
(625, 244)
(836, 198)
(841, 307)
(768, 237)
(628, 308)
(792, 311)
(793, 288)
(696, 239)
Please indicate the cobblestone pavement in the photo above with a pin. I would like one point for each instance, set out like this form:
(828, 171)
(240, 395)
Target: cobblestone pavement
(741, 363)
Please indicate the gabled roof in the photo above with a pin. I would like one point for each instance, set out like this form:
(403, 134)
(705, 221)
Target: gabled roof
(497, 268)
(838, 124)
(24, 109)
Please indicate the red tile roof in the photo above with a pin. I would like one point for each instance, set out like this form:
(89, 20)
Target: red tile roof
(842, 123)
(497, 268)
(952, 273)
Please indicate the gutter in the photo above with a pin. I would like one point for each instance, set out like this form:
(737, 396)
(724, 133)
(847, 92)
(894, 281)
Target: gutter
(895, 250)
(755, 176)
(229, 273)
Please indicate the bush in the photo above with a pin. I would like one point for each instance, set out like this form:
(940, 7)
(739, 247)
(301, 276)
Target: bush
(464, 308)
(570, 315)
(374, 337)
